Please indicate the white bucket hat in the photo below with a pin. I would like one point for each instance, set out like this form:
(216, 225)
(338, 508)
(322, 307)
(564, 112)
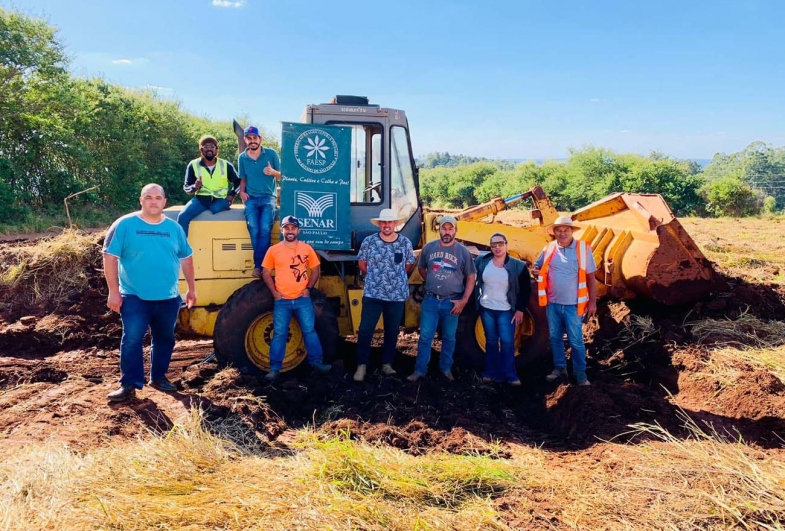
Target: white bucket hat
(563, 221)
(388, 214)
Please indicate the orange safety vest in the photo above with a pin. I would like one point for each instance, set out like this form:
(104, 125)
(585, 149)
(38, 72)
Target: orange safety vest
(581, 250)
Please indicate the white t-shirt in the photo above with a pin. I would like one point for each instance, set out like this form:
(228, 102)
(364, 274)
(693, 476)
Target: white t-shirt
(495, 283)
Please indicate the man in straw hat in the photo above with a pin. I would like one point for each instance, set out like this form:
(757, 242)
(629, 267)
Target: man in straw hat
(386, 259)
(449, 272)
(567, 287)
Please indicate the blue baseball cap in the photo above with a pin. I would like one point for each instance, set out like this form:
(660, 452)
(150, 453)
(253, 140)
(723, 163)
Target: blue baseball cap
(251, 130)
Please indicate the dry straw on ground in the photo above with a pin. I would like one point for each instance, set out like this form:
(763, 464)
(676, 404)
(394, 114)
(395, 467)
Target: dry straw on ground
(189, 479)
(746, 330)
(52, 270)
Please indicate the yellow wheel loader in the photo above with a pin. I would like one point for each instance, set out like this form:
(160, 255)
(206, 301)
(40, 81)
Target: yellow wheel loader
(640, 247)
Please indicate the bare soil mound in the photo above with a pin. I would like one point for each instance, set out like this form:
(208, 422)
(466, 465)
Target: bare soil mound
(58, 359)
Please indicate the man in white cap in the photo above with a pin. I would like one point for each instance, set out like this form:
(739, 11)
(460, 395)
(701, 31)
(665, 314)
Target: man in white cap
(567, 287)
(386, 259)
(291, 261)
(449, 272)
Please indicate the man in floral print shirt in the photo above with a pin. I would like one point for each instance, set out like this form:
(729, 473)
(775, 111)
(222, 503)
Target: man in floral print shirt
(386, 259)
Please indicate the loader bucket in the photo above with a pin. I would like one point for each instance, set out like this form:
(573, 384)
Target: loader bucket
(641, 249)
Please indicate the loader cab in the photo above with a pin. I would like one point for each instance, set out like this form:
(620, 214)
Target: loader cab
(383, 172)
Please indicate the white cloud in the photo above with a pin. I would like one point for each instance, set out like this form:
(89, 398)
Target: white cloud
(597, 100)
(163, 90)
(227, 3)
(624, 130)
(122, 62)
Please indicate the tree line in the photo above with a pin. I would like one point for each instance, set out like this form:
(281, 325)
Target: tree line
(746, 183)
(60, 134)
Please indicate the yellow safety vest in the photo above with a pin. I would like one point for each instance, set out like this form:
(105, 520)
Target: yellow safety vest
(215, 185)
(581, 250)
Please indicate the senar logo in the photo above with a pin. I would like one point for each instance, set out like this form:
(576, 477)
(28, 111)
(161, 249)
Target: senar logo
(316, 151)
(311, 207)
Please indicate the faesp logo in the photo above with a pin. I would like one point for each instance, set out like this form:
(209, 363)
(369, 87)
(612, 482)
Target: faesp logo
(316, 151)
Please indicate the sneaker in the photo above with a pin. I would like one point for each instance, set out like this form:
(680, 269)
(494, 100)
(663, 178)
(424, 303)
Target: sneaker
(321, 367)
(448, 376)
(126, 392)
(413, 377)
(557, 374)
(516, 383)
(272, 376)
(387, 370)
(359, 374)
(257, 272)
(162, 384)
(584, 383)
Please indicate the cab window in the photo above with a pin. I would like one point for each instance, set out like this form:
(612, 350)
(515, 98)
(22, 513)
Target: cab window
(366, 180)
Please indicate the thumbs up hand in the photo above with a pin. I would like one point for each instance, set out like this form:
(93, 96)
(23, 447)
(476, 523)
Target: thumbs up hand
(269, 170)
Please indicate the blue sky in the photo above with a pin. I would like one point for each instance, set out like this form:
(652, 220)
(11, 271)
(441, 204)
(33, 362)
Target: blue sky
(506, 79)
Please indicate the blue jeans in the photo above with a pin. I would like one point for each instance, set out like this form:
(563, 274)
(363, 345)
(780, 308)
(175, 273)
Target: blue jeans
(194, 207)
(137, 315)
(434, 312)
(372, 310)
(564, 318)
(499, 329)
(259, 217)
(283, 310)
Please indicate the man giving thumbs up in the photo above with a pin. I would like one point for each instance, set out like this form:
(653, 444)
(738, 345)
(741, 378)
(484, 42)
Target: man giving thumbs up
(260, 171)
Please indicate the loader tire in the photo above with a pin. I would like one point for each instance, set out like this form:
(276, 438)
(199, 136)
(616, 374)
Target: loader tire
(244, 328)
(469, 353)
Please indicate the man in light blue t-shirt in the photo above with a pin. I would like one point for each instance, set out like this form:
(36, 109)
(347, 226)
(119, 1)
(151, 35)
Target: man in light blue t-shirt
(260, 171)
(143, 252)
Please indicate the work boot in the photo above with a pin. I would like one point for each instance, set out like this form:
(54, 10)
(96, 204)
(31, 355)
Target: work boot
(359, 374)
(126, 392)
(448, 376)
(272, 376)
(516, 383)
(323, 368)
(584, 383)
(387, 370)
(413, 377)
(557, 374)
(257, 272)
(580, 377)
(163, 384)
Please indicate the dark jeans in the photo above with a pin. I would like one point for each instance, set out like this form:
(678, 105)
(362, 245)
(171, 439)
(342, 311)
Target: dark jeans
(436, 313)
(372, 310)
(499, 344)
(283, 310)
(137, 315)
(196, 206)
(259, 217)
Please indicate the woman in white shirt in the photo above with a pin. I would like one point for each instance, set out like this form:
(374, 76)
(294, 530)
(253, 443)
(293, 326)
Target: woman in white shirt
(502, 293)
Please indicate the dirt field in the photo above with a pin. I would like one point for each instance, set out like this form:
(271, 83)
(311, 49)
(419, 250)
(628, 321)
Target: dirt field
(58, 362)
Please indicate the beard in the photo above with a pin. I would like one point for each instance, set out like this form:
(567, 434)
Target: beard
(210, 157)
(446, 238)
(289, 237)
